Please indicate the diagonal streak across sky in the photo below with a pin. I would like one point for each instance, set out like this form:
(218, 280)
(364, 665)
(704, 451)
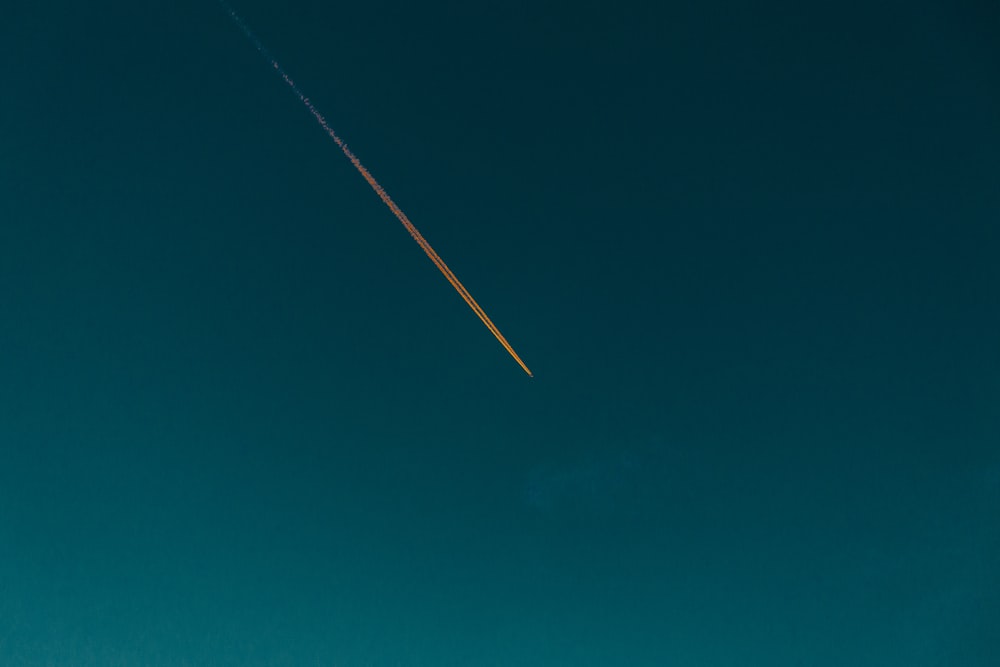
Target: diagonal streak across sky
(380, 191)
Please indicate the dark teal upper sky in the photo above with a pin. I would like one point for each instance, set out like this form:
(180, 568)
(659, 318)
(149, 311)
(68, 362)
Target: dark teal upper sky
(749, 250)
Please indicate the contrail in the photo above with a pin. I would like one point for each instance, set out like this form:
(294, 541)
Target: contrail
(379, 190)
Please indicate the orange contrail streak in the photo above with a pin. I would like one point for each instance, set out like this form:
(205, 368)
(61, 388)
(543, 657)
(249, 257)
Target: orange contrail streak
(434, 257)
(380, 191)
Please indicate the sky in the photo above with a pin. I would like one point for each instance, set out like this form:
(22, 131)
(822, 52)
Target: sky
(748, 250)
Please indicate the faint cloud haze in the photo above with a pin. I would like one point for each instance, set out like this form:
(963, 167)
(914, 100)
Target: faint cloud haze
(600, 483)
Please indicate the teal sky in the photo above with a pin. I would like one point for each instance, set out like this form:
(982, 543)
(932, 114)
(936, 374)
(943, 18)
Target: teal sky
(749, 250)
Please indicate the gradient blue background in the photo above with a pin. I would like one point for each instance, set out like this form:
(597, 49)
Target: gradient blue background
(748, 249)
